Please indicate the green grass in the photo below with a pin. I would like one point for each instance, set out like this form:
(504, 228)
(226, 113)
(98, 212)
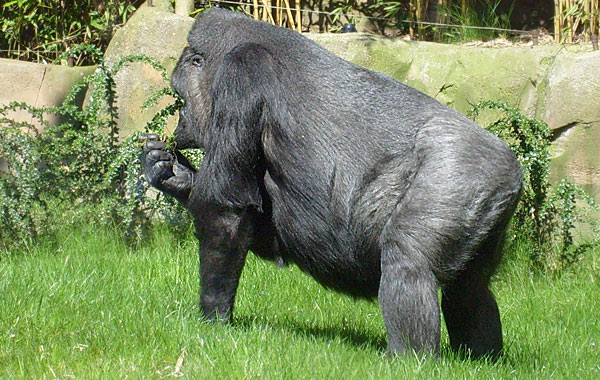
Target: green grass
(87, 307)
(481, 13)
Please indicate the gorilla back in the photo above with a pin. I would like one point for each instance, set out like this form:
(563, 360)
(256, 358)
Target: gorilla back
(369, 185)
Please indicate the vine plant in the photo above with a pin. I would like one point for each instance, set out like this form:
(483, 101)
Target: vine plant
(78, 161)
(546, 215)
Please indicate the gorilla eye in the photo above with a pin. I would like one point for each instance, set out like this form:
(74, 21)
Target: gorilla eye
(198, 60)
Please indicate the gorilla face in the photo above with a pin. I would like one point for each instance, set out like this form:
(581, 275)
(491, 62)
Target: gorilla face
(190, 81)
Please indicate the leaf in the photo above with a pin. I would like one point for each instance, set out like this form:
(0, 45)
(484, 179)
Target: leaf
(97, 25)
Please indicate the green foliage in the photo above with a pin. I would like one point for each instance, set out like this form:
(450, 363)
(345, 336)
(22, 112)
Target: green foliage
(342, 13)
(42, 29)
(479, 13)
(545, 216)
(384, 12)
(530, 140)
(79, 161)
(19, 197)
(394, 10)
(483, 14)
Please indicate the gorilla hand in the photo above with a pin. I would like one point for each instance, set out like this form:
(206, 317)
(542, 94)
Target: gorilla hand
(169, 172)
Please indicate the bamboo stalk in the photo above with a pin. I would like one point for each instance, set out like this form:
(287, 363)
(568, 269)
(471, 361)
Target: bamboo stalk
(557, 20)
(267, 14)
(279, 13)
(570, 21)
(587, 24)
(418, 12)
(565, 20)
(299, 15)
(264, 10)
(412, 17)
(576, 18)
(592, 16)
(422, 15)
(288, 11)
(463, 8)
(255, 13)
(595, 21)
(441, 17)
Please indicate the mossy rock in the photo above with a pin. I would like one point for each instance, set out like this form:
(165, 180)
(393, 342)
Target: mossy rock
(572, 90)
(160, 34)
(577, 157)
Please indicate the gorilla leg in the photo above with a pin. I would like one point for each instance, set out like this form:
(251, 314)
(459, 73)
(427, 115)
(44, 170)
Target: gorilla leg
(448, 226)
(224, 237)
(473, 320)
(409, 302)
(470, 310)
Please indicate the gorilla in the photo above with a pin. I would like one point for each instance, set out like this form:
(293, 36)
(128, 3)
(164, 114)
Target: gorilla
(368, 185)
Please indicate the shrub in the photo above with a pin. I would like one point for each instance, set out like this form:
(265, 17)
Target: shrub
(545, 216)
(479, 13)
(78, 162)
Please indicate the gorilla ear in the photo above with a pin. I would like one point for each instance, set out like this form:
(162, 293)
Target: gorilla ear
(242, 89)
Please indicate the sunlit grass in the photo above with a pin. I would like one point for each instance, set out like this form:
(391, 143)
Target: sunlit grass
(87, 306)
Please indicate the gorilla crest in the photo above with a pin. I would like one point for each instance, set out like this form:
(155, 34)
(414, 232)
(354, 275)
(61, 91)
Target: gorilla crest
(370, 186)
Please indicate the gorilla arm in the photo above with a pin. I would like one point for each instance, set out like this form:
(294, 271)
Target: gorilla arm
(225, 202)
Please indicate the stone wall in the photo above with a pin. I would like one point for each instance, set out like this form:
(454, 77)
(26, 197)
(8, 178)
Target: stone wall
(557, 84)
(36, 84)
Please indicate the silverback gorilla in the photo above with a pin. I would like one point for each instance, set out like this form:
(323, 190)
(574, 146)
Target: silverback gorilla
(368, 185)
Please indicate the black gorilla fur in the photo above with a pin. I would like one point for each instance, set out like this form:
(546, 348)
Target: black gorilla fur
(370, 186)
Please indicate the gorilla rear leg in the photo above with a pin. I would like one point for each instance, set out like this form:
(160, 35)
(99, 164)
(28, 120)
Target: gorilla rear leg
(409, 301)
(470, 310)
(473, 320)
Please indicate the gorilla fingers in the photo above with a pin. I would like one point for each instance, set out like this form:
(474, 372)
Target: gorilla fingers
(169, 172)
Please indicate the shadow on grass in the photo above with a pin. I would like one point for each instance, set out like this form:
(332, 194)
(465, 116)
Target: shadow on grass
(509, 358)
(346, 334)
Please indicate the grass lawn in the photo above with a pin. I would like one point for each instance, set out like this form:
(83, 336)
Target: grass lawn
(88, 307)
